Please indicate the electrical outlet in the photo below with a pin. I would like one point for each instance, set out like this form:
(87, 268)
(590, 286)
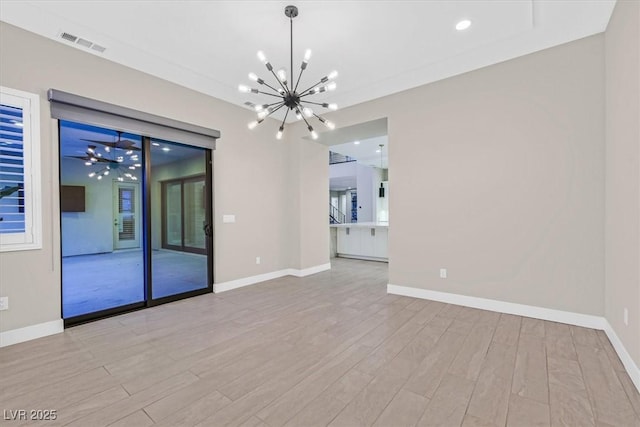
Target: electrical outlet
(626, 316)
(4, 303)
(443, 273)
(257, 260)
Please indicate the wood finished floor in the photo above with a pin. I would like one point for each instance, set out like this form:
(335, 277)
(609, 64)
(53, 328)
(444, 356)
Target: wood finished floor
(330, 349)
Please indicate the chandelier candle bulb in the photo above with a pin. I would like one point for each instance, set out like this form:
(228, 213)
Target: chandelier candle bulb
(282, 75)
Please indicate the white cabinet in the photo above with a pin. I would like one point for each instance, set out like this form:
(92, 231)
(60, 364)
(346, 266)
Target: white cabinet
(363, 242)
(381, 242)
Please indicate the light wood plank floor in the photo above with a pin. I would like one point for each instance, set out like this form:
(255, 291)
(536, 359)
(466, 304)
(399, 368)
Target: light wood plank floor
(330, 349)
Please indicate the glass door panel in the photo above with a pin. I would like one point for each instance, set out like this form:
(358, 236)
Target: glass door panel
(180, 208)
(173, 222)
(195, 214)
(102, 258)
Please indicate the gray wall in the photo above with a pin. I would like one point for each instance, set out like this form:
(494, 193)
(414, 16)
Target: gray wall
(498, 175)
(91, 231)
(623, 174)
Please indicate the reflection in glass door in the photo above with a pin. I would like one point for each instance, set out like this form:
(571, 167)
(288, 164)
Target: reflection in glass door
(184, 215)
(181, 203)
(102, 258)
(126, 216)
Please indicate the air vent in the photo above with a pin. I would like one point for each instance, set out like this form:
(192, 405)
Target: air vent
(88, 44)
(85, 43)
(69, 37)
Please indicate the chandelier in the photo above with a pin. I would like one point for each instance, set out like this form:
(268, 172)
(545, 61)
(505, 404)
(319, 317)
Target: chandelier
(287, 93)
(119, 157)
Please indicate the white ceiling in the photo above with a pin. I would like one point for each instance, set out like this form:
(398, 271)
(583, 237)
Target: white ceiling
(379, 47)
(365, 151)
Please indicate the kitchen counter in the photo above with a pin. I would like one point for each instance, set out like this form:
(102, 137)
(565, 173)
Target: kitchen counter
(362, 240)
(360, 225)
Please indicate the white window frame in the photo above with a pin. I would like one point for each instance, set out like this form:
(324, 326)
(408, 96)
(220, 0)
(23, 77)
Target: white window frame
(31, 238)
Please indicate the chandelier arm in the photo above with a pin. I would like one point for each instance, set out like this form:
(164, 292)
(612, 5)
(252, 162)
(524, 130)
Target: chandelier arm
(286, 89)
(314, 103)
(270, 94)
(275, 103)
(304, 92)
(299, 76)
(304, 118)
(274, 110)
(270, 87)
(307, 94)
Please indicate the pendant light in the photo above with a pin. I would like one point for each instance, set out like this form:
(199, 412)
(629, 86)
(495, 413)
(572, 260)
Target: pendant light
(381, 189)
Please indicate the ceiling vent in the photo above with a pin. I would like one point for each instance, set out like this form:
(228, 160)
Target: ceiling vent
(88, 44)
(69, 37)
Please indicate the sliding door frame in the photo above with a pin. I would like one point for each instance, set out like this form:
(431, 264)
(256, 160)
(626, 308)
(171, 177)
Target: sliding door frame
(146, 230)
(150, 301)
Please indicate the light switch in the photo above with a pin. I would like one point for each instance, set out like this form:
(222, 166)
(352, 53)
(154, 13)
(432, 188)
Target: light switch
(228, 219)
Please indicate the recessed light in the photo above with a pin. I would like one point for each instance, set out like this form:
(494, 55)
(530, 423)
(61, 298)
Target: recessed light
(155, 144)
(166, 149)
(356, 142)
(463, 25)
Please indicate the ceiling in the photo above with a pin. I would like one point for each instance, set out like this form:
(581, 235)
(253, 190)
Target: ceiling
(379, 47)
(366, 151)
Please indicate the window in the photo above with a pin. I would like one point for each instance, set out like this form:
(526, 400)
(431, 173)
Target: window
(20, 210)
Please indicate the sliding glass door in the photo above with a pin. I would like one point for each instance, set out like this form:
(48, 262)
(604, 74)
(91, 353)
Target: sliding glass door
(135, 215)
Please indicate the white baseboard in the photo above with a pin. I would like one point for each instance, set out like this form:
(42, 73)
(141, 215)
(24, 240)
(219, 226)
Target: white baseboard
(585, 320)
(32, 332)
(578, 319)
(252, 280)
(632, 369)
(309, 271)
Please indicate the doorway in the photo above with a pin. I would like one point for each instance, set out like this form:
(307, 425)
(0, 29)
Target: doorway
(113, 258)
(126, 215)
(183, 214)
